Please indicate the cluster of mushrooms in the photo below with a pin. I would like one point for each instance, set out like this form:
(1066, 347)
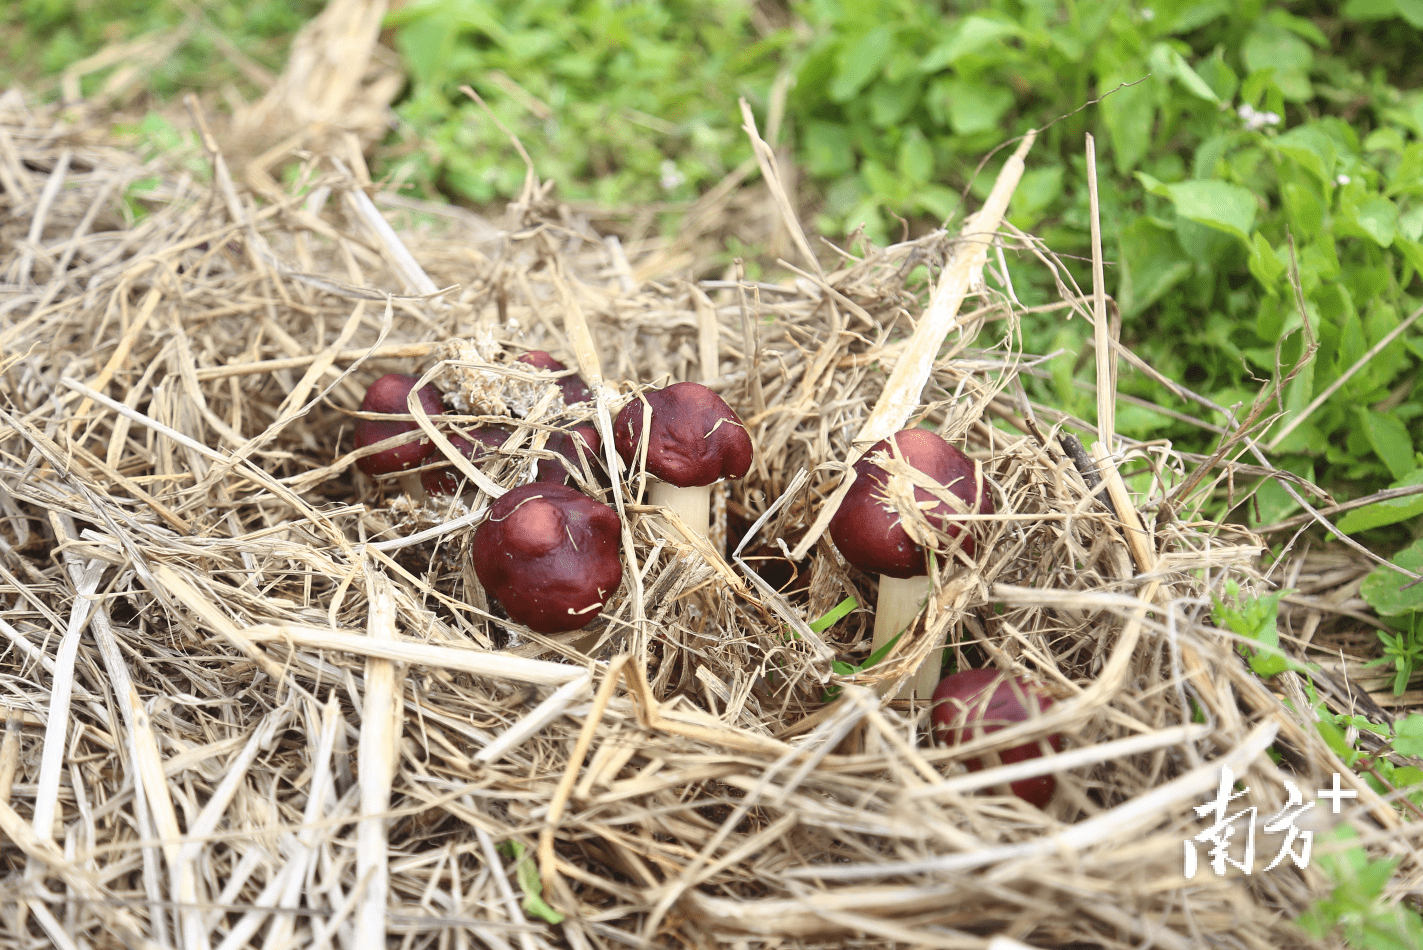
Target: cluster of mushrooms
(550, 554)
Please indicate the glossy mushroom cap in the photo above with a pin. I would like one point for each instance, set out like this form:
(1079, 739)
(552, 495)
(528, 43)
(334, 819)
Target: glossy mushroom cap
(575, 390)
(972, 703)
(565, 445)
(388, 394)
(695, 438)
(550, 556)
(447, 479)
(867, 528)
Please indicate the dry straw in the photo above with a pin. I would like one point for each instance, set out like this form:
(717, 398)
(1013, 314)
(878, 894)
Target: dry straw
(255, 698)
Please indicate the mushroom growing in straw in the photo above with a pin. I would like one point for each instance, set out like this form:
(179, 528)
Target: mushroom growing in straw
(550, 555)
(869, 532)
(693, 439)
(447, 480)
(388, 395)
(973, 703)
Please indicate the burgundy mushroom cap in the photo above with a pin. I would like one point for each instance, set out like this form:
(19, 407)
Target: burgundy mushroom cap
(695, 438)
(550, 556)
(446, 479)
(574, 388)
(388, 394)
(566, 446)
(867, 527)
(972, 703)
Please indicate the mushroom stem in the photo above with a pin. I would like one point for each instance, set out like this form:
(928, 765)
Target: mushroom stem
(410, 483)
(900, 599)
(692, 505)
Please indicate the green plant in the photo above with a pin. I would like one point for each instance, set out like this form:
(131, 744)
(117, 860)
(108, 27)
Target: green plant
(1389, 592)
(1254, 618)
(1241, 143)
(526, 872)
(1355, 904)
(617, 101)
(41, 37)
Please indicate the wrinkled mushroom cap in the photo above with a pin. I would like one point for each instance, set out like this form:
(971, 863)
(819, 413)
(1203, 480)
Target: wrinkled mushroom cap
(867, 529)
(446, 479)
(695, 438)
(550, 556)
(575, 390)
(972, 703)
(388, 394)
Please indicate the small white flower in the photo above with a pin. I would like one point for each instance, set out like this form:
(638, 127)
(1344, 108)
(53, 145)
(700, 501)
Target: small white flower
(1342, 179)
(1148, 14)
(671, 176)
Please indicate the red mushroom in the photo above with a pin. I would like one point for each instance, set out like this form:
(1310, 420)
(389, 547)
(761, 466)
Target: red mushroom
(974, 703)
(575, 390)
(388, 395)
(550, 555)
(568, 446)
(867, 530)
(694, 439)
(446, 480)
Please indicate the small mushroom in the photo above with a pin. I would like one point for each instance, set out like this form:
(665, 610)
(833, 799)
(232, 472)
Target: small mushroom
(388, 395)
(694, 439)
(867, 530)
(568, 446)
(447, 480)
(549, 554)
(973, 703)
(575, 390)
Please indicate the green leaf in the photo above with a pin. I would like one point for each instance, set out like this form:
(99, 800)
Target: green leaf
(1216, 204)
(833, 614)
(1313, 149)
(1152, 263)
(859, 59)
(916, 158)
(1410, 10)
(1390, 441)
(1264, 263)
(1129, 115)
(1388, 512)
(1165, 61)
(1408, 736)
(530, 883)
(1376, 217)
(829, 149)
(975, 107)
(1254, 618)
(973, 34)
(1382, 588)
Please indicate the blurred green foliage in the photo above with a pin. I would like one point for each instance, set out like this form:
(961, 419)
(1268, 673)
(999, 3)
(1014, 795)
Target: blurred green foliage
(620, 101)
(39, 38)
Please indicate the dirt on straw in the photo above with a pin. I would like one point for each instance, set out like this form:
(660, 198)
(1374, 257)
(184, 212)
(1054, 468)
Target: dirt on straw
(255, 696)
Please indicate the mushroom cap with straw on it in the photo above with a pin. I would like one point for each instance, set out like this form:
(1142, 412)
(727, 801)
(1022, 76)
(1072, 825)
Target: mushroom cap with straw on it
(549, 554)
(446, 479)
(694, 437)
(388, 394)
(868, 529)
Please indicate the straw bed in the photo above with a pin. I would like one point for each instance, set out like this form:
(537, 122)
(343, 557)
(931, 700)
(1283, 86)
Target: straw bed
(256, 698)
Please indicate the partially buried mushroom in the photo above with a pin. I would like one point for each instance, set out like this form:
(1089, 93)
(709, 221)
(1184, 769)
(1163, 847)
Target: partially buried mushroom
(868, 530)
(448, 480)
(574, 389)
(693, 440)
(388, 395)
(550, 556)
(567, 446)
